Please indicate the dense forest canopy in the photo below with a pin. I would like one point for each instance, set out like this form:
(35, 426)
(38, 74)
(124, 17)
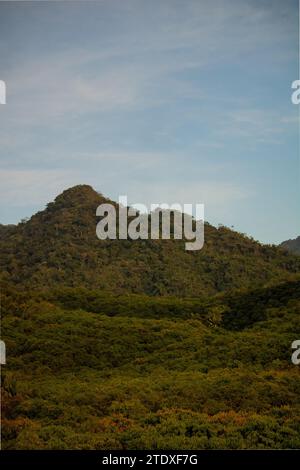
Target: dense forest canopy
(142, 345)
(58, 246)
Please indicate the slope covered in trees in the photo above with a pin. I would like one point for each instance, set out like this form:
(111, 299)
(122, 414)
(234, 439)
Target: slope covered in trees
(292, 246)
(58, 246)
(127, 379)
(125, 344)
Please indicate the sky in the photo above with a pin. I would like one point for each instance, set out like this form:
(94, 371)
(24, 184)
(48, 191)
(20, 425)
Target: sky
(174, 101)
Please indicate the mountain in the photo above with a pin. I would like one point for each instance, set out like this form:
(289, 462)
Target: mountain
(58, 247)
(122, 344)
(293, 246)
(6, 230)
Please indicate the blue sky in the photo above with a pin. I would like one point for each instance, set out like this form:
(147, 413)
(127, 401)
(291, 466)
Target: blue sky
(162, 100)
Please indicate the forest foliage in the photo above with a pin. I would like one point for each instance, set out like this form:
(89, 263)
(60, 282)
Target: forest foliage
(141, 345)
(122, 377)
(58, 247)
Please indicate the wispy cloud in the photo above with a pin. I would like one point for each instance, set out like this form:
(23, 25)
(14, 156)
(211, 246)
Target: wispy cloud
(27, 188)
(144, 65)
(167, 98)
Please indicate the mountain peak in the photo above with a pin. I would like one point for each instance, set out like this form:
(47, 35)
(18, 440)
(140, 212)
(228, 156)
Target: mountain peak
(58, 246)
(80, 191)
(81, 195)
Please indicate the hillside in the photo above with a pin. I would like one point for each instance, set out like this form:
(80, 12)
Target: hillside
(58, 246)
(141, 344)
(292, 246)
(152, 374)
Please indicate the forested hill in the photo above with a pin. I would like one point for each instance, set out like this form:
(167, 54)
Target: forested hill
(292, 245)
(59, 247)
(193, 353)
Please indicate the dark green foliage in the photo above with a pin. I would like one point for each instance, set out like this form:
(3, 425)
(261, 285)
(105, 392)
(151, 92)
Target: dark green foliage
(133, 379)
(142, 345)
(246, 308)
(58, 247)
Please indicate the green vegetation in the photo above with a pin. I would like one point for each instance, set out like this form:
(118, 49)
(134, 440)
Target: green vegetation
(126, 378)
(142, 345)
(58, 247)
